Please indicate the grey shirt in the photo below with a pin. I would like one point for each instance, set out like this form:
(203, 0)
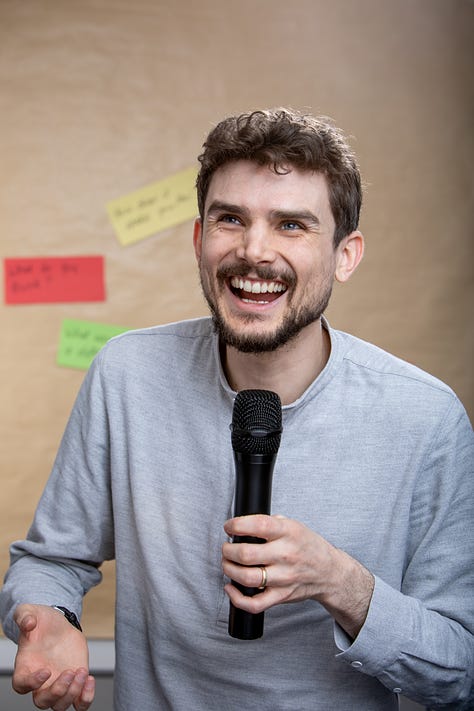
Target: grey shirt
(376, 456)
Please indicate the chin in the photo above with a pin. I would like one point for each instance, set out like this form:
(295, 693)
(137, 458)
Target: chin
(253, 341)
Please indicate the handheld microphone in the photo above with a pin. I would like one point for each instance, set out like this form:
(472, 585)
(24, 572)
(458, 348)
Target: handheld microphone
(256, 433)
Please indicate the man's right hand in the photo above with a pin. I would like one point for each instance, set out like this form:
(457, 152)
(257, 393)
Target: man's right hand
(52, 660)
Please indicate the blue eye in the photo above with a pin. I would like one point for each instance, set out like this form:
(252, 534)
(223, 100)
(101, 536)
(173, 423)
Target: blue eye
(231, 219)
(291, 226)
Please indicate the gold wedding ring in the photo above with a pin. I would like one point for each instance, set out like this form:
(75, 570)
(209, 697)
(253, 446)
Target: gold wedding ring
(263, 584)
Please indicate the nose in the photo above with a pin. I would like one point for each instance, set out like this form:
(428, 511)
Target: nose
(256, 245)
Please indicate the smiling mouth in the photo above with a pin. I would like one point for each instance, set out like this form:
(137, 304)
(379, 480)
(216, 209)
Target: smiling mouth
(256, 291)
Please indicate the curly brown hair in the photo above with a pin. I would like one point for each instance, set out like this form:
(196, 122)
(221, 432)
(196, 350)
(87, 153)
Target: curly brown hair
(283, 138)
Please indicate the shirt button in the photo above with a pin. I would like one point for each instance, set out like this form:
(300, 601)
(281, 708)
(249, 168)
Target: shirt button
(356, 664)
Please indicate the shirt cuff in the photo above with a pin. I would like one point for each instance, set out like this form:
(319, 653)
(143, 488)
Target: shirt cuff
(379, 642)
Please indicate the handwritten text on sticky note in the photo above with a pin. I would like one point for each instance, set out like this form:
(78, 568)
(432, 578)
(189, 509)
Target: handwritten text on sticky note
(80, 341)
(54, 279)
(155, 207)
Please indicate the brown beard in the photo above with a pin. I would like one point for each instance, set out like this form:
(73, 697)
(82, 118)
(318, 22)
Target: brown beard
(293, 323)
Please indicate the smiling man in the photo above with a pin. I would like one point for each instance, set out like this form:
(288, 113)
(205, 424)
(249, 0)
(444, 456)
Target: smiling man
(372, 541)
(267, 256)
(269, 260)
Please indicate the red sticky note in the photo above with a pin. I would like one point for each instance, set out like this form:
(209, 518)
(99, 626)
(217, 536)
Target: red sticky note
(54, 279)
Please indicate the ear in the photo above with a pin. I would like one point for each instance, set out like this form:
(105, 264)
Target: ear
(197, 238)
(349, 253)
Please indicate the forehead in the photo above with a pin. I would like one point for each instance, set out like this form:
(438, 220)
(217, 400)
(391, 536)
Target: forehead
(255, 186)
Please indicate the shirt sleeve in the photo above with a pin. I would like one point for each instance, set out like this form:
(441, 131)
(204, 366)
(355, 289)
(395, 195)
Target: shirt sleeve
(72, 531)
(418, 640)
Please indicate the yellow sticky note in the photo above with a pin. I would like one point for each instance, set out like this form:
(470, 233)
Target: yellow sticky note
(155, 207)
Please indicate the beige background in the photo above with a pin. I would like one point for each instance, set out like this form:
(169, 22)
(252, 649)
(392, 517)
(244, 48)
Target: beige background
(101, 97)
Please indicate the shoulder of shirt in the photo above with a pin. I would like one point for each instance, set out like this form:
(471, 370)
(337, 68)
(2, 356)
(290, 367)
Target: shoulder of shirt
(187, 329)
(140, 346)
(365, 355)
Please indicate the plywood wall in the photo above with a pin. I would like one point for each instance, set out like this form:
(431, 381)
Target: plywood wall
(101, 97)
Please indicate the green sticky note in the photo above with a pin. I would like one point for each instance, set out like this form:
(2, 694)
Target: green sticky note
(79, 341)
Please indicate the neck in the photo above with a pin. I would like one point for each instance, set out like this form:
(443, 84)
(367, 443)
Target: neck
(288, 371)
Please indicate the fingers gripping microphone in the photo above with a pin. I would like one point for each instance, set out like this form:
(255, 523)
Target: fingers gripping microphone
(256, 433)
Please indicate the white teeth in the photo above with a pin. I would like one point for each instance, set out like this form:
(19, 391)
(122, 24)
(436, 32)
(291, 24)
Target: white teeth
(257, 287)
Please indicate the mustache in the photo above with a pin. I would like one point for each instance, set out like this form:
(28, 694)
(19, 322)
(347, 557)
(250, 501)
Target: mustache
(265, 273)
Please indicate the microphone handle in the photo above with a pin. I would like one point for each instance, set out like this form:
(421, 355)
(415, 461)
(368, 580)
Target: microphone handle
(253, 494)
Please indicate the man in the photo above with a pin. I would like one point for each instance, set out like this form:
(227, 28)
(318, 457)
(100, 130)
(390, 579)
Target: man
(373, 492)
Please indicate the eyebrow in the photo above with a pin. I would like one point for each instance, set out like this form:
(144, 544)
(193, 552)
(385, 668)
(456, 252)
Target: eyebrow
(296, 215)
(220, 206)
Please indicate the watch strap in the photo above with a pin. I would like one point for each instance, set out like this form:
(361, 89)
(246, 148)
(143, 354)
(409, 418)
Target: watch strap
(70, 616)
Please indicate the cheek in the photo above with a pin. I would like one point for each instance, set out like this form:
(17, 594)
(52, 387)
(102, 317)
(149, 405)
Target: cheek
(313, 278)
(212, 258)
(207, 271)
(207, 266)
(209, 250)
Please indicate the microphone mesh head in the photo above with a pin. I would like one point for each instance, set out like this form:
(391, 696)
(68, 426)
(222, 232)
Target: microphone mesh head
(256, 422)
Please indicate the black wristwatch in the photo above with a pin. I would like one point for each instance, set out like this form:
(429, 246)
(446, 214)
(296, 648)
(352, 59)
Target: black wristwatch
(70, 616)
